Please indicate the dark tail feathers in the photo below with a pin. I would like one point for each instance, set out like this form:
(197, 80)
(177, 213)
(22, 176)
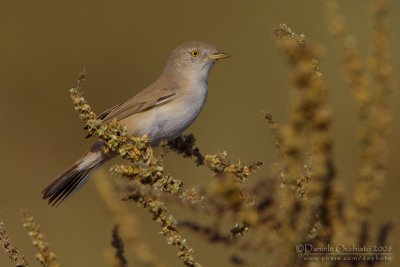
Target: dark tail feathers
(66, 184)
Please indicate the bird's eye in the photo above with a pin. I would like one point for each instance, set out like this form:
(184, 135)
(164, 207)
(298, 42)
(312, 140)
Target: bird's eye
(194, 53)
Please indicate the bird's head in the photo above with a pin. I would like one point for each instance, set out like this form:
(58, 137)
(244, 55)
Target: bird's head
(193, 59)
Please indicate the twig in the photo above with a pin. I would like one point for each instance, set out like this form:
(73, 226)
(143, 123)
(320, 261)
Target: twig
(128, 224)
(44, 256)
(11, 250)
(118, 245)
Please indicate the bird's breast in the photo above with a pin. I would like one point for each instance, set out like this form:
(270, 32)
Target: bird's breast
(174, 117)
(171, 119)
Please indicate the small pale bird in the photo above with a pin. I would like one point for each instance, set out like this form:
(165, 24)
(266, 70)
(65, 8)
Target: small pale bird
(163, 111)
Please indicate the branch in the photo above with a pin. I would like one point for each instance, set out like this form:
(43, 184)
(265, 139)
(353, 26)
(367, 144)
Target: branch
(10, 250)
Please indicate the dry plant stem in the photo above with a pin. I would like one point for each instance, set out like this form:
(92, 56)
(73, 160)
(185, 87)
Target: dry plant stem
(222, 168)
(357, 79)
(136, 150)
(373, 176)
(186, 146)
(277, 135)
(118, 245)
(44, 256)
(10, 250)
(306, 193)
(293, 141)
(373, 108)
(127, 222)
(352, 63)
(213, 235)
(218, 163)
(210, 233)
(145, 199)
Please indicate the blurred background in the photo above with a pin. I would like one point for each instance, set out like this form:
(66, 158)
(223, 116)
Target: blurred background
(124, 46)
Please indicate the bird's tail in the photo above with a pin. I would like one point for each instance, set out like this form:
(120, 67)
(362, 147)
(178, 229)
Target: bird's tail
(75, 177)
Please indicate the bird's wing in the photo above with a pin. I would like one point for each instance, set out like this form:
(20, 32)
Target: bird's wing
(157, 94)
(139, 103)
(108, 111)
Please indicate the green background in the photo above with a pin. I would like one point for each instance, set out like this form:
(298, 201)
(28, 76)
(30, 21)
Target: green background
(124, 45)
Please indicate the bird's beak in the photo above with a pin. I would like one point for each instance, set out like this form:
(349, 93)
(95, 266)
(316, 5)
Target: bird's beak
(217, 56)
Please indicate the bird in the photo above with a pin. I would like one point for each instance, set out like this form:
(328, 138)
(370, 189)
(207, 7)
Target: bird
(162, 111)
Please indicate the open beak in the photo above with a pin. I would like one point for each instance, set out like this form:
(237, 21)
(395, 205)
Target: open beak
(217, 56)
